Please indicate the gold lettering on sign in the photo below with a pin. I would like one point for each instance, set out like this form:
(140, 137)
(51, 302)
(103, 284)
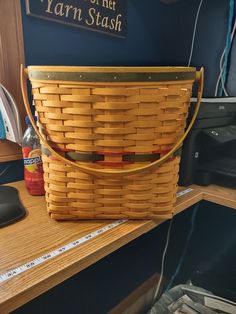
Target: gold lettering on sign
(118, 23)
(91, 22)
(109, 4)
(96, 13)
(77, 13)
(68, 7)
(96, 19)
(59, 9)
(49, 6)
(95, 2)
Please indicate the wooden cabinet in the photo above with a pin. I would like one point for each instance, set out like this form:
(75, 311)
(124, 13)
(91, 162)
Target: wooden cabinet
(11, 56)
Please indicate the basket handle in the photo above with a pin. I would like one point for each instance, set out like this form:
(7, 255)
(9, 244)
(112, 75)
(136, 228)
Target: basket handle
(109, 172)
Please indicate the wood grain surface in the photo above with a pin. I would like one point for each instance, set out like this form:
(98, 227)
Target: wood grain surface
(37, 234)
(11, 57)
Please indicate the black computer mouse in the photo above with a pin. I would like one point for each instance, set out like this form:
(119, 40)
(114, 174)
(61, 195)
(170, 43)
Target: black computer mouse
(10, 212)
(11, 208)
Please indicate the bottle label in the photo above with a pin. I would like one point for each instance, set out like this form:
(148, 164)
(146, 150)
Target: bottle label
(31, 161)
(33, 171)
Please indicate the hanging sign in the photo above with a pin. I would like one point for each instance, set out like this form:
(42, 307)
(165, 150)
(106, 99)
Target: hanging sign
(108, 16)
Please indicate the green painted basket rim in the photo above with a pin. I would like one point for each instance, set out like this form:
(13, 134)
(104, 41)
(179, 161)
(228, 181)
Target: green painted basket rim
(111, 74)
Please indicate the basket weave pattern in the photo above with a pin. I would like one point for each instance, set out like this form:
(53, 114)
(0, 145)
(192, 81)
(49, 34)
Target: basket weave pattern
(112, 120)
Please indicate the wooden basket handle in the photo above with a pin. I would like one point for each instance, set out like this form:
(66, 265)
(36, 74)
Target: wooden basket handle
(110, 172)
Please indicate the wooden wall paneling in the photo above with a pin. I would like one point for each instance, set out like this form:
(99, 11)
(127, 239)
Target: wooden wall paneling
(11, 56)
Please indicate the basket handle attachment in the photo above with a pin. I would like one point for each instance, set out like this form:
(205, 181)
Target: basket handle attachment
(110, 172)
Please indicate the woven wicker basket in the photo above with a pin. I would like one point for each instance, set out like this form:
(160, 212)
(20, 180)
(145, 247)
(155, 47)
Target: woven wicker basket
(110, 138)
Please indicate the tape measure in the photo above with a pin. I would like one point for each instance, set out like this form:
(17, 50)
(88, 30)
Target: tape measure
(181, 193)
(42, 259)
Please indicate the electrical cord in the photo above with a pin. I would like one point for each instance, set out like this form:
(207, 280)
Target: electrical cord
(194, 32)
(230, 36)
(193, 218)
(163, 261)
(171, 221)
(220, 77)
(227, 45)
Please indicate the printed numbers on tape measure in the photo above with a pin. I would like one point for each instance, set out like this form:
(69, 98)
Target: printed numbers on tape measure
(42, 259)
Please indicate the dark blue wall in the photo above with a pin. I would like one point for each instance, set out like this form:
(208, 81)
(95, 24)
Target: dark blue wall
(158, 34)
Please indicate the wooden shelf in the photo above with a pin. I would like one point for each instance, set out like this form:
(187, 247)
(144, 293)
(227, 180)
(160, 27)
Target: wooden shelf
(9, 151)
(11, 57)
(37, 234)
(219, 195)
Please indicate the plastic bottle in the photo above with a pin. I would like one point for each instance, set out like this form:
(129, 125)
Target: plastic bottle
(33, 167)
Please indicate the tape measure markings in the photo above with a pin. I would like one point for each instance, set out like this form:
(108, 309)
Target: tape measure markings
(181, 193)
(40, 260)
